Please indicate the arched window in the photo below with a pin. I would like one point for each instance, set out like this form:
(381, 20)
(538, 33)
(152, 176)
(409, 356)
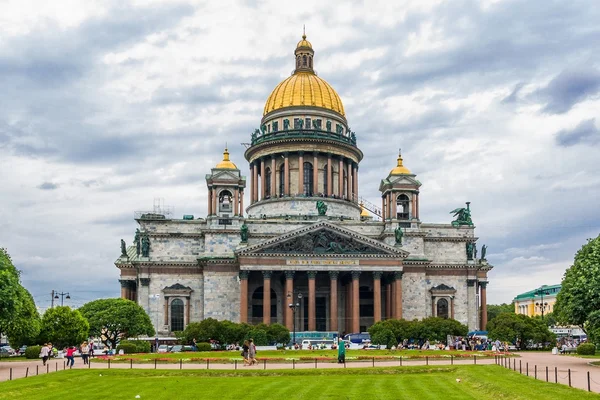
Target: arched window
(442, 308)
(282, 179)
(176, 315)
(308, 179)
(225, 201)
(268, 182)
(402, 207)
(304, 61)
(325, 183)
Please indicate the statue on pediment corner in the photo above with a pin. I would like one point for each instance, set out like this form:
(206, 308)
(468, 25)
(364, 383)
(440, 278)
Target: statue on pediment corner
(321, 207)
(398, 235)
(462, 215)
(123, 248)
(244, 233)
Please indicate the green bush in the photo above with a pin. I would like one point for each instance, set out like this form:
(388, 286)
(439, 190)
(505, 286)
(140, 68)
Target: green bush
(203, 346)
(384, 337)
(259, 336)
(586, 349)
(128, 348)
(33, 352)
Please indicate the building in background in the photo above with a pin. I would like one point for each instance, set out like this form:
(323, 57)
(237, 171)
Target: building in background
(539, 301)
(307, 236)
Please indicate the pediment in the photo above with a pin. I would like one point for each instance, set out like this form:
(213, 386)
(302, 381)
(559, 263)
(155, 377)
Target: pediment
(225, 174)
(323, 239)
(442, 288)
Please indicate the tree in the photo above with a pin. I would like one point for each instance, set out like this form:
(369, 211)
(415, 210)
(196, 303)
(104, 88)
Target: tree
(278, 333)
(578, 302)
(112, 319)
(19, 318)
(519, 329)
(494, 309)
(64, 327)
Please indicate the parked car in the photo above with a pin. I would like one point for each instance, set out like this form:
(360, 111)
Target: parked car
(22, 350)
(176, 349)
(163, 348)
(7, 351)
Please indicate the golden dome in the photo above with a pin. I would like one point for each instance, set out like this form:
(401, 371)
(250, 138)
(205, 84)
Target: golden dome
(400, 169)
(304, 89)
(363, 212)
(226, 164)
(304, 43)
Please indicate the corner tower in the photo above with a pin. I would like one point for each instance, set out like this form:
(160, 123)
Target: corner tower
(400, 196)
(304, 150)
(225, 191)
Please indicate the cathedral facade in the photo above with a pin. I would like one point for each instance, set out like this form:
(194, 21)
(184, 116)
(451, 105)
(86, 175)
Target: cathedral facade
(307, 251)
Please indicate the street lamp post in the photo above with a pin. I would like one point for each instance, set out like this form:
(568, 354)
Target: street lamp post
(55, 295)
(542, 292)
(294, 307)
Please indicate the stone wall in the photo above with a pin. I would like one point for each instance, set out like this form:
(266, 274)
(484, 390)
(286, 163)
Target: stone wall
(221, 295)
(303, 206)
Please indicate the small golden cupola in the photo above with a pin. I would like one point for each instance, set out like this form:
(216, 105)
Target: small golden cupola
(226, 163)
(363, 212)
(400, 168)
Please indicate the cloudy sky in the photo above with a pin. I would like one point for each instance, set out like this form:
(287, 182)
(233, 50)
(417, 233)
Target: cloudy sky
(107, 105)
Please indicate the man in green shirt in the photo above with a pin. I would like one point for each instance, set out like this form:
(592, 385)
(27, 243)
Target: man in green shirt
(341, 351)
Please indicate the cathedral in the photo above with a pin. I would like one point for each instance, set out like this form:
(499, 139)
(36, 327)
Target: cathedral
(307, 251)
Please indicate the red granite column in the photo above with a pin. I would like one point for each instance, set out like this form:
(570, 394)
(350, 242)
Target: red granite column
(241, 210)
(273, 176)
(243, 296)
(267, 297)
(388, 301)
(286, 172)
(341, 178)
(355, 182)
(300, 190)
(383, 208)
(483, 286)
(235, 202)
(333, 301)
(289, 289)
(377, 296)
(355, 301)
(254, 183)
(263, 179)
(166, 310)
(312, 320)
(398, 294)
(349, 180)
(209, 197)
(329, 175)
(214, 200)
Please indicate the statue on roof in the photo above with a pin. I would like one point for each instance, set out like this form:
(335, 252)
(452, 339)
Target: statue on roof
(398, 234)
(462, 215)
(483, 252)
(254, 135)
(470, 249)
(136, 241)
(145, 245)
(328, 126)
(286, 124)
(321, 207)
(244, 233)
(123, 248)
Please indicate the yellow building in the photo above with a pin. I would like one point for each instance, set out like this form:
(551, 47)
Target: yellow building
(539, 301)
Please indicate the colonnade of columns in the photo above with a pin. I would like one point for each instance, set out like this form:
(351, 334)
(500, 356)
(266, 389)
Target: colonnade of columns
(128, 289)
(392, 287)
(389, 204)
(346, 188)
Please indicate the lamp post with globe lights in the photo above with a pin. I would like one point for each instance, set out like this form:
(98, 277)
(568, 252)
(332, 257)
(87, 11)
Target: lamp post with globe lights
(294, 306)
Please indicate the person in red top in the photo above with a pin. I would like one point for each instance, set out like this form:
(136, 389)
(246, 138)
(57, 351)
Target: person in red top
(70, 358)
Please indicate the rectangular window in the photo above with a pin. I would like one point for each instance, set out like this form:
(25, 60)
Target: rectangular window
(307, 124)
(318, 121)
(275, 126)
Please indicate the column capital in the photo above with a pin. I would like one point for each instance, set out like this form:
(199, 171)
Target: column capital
(355, 275)
(301, 152)
(377, 275)
(273, 156)
(333, 275)
(267, 274)
(471, 282)
(244, 274)
(315, 153)
(126, 283)
(311, 274)
(398, 275)
(483, 284)
(289, 274)
(145, 281)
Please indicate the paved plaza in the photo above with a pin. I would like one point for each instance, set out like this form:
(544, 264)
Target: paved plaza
(579, 367)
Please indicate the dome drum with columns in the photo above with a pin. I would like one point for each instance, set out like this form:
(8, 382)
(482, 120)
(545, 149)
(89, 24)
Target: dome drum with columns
(304, 148)
(305, 230)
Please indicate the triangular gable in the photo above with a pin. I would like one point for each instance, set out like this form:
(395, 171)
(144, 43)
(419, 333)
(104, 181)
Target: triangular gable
(225, 174)
(323, 239)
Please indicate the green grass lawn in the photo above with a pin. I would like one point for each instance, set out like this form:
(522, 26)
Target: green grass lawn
(477, 382)
(298, 355)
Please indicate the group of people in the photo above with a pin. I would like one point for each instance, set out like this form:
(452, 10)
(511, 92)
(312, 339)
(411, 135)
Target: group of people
(249, 352)
(86, 350)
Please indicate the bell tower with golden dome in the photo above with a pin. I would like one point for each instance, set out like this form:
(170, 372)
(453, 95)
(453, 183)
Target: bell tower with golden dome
(400, 196)
(304, 150)
(225, 191)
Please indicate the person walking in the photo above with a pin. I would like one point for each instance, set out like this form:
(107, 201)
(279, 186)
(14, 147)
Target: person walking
(341, 351)
(252, 352)
(84, 349)
(245, 351)
(70, 356)
(44, 353)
